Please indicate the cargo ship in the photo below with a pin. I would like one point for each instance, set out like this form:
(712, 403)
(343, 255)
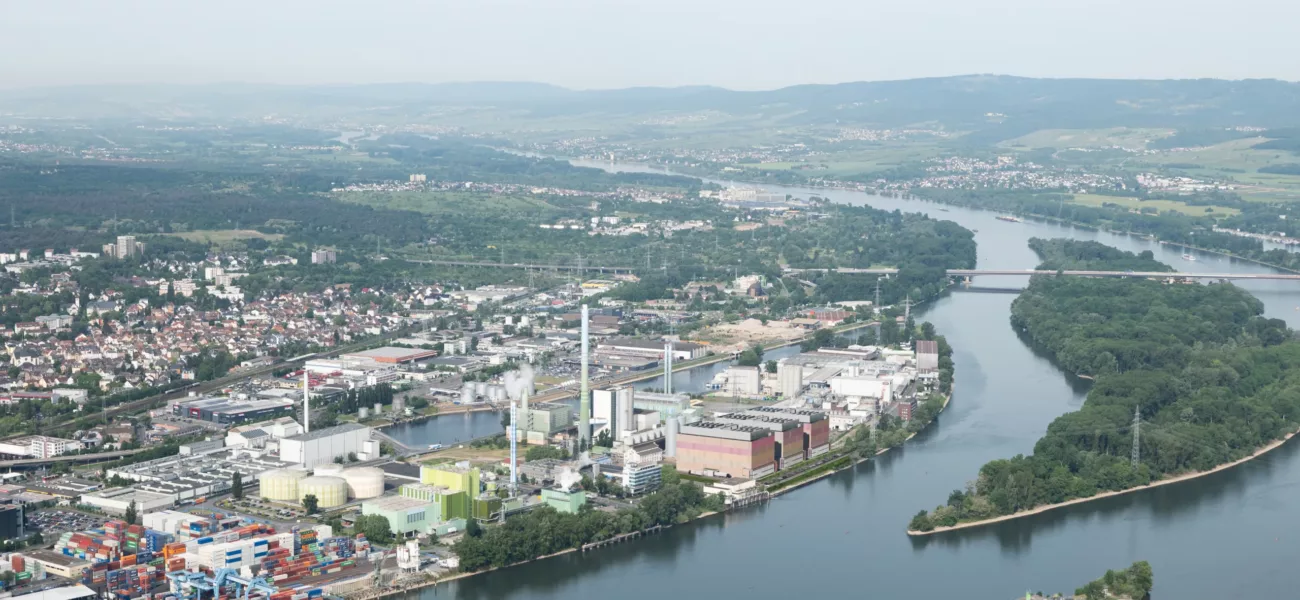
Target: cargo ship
(1009, 219)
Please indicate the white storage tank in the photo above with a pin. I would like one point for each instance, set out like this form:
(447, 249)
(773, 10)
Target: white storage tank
(328, 470)
(280, 484)
(329, 491)
(363, 413)
(364, 482)
(467, 394)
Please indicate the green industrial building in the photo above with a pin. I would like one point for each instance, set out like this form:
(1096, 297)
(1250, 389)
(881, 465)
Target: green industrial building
(565, 502)
(445, 504)
(406, 516)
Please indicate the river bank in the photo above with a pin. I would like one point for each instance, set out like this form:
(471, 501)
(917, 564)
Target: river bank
(1049, 507)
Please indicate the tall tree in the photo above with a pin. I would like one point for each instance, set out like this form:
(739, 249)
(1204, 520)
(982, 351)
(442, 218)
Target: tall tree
(310, 503)
(237, 486)
(131, 515)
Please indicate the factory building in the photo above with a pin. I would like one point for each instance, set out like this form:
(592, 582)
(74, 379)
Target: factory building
(815, 425)
(664, 404)
(789, 379)
(787, 435)
(726, 450)
(444, 504)
(324, 445)
(228, 410)
(541, 420)
(406, 516)
(616, 407)
(457, 478)
(565, 502)
(641, 478)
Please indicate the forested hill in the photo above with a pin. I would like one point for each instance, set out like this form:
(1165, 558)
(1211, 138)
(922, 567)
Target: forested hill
(1067, 254)
(999, 107)
(1212, 380)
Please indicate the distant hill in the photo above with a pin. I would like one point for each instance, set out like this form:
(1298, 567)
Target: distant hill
(997, 107)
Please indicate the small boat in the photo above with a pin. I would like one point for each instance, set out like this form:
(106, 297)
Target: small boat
(943, 210)
(1189, 257)
(1009, 219)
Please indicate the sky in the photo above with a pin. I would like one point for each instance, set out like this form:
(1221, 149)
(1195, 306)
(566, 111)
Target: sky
(739, 44)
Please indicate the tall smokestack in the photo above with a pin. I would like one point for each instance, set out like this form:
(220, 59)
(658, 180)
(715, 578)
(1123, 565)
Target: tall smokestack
(514, 444)
(584, 399)
(668, 366)
(306, 402)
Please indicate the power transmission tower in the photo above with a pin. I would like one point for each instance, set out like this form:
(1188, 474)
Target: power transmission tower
(1137, 436)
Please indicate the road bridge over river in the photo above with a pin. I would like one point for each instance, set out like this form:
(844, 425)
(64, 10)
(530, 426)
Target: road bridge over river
(1032, 272)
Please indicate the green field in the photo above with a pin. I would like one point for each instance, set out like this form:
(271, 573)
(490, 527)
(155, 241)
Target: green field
(858, 161)
(225, 236)
(1087, 138)
(1236, 161)
(1160, 205)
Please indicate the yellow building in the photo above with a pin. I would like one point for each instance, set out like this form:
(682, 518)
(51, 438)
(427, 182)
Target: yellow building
(452, 477)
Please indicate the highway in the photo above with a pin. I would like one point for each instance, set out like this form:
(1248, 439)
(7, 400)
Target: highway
(28, 462)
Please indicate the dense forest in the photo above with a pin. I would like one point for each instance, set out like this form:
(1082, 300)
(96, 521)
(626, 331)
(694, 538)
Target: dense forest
(1211, 380)
(1072, 255)
(546, 531)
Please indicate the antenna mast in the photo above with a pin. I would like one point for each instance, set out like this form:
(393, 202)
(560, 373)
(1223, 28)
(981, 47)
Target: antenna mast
(1137, 436)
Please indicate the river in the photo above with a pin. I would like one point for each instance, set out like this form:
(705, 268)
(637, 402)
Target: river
(1234, 534)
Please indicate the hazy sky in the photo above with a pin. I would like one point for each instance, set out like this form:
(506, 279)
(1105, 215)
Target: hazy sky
(744, 44)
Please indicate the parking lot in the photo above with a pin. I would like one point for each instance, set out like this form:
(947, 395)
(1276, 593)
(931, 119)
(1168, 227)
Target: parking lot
(52, 523)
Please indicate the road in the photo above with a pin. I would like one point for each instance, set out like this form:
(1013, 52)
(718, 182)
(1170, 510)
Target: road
(27, 462)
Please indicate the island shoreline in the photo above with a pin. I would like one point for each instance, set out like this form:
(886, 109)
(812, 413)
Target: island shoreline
(1049, 507)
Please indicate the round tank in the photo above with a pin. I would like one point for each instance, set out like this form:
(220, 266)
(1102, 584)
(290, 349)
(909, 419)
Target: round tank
(280, 484)
(363, 412)
(328, 470)
(379, 408)
(496, 393)
(480, 388)
(364, 482)
(467, 394)
(329, 491)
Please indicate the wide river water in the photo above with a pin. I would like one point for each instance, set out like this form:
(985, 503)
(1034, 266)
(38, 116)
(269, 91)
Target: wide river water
(1234, 534)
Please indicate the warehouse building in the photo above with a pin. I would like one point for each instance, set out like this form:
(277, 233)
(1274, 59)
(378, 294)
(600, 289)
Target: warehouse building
(324, 445)
(228, 410)
(115, 501)
(185, 478)
(726, 450)
(390, 355)
(651, 348)
(54, 563)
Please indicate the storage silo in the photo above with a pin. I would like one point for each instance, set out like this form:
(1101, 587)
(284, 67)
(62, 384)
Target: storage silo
(280, 484)
(363, 413)
(480, 388)
(364, 482)
(328, 470)
(329, 491)
(467, 394)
